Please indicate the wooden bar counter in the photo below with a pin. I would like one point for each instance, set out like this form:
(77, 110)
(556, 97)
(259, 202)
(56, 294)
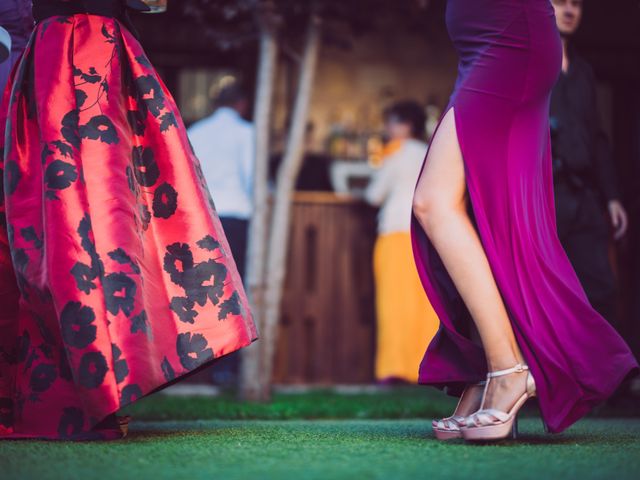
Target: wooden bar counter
(327, 329)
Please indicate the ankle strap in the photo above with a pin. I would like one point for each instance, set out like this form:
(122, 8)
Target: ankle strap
(499, 373)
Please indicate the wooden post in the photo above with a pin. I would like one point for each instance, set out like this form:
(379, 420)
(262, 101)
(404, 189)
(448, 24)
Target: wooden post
(252, 383)
(287, 175)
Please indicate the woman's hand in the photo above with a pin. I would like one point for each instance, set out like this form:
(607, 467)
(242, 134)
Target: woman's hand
(619, 218)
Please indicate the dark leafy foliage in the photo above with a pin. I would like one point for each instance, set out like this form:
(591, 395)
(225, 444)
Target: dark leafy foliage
(232, 23)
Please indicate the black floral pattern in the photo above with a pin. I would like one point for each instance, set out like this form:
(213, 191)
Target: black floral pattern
(193, 350)
(209, 243)
(42, 377)
(70, 130)
(183, 308)
(230, 306)
(200, 281)
(120, 365)
(137, 121)
(145, 216)
(71, 422)
(100, 128)
(12, 176)
(130, 394)
(64, 149)
(123, 258)
(167, 370)
(84, 276)
(141, 284)
(60, 175)
(6, 412)
(64, 369)
(119, 293)
(165, 201)
(146, 168)
(30, 235)
(131, 181)
(152, 93)
(77, 325)
(92, 370)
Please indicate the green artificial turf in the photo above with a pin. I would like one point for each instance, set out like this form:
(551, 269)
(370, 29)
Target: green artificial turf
(404, 402)
(330, 449)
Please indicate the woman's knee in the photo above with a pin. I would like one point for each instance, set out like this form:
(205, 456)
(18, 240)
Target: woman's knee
(432, 208)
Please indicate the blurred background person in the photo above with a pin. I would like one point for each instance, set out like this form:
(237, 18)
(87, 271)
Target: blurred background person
(16, 19)
(586, 189)
(406, 322)
(224, 142)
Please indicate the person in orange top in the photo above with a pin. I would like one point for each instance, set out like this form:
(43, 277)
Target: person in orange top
(405, 320)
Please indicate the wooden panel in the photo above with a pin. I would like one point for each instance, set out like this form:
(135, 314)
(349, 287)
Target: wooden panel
(327, 328)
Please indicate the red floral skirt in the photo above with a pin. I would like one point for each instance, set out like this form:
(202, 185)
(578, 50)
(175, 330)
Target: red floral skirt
(115, 275)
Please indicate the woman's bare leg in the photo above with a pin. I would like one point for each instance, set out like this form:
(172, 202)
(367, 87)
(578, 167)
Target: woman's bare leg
(440, 206)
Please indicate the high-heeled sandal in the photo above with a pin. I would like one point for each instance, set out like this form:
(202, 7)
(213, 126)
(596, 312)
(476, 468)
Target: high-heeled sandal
(492, 424)
(449, 427)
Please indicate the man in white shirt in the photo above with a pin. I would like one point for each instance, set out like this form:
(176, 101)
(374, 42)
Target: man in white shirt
(224, 143)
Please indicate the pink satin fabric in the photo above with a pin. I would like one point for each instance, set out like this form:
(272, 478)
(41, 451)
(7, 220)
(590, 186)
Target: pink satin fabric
(116, 275)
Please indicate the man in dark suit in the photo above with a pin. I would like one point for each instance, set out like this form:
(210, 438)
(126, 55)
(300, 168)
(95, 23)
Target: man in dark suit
(586, 191)
(17, 23)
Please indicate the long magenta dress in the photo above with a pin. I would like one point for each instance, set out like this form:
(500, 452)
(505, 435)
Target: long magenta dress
(510, 57)
(116, 278)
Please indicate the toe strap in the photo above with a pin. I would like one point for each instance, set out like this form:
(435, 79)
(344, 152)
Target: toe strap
(489, 416)
(449, 423)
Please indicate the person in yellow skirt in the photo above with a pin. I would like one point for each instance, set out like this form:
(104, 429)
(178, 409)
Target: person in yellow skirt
(406, 322)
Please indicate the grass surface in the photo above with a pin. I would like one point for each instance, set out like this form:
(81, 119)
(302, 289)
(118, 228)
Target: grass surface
(330, 449)
(406, 402)
(396, 403)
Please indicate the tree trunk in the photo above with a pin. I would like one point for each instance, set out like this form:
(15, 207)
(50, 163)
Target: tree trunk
(252, 384)
(280, 220)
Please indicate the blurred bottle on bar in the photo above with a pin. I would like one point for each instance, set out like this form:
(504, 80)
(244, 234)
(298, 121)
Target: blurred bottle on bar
(156, 6)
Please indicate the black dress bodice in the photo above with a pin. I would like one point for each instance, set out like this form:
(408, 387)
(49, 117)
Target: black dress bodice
(107, 8)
